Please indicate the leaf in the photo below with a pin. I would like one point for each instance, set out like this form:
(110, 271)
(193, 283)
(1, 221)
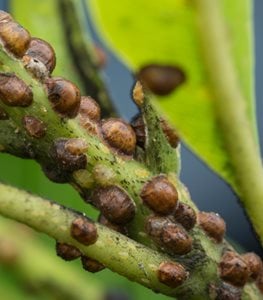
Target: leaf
(143, 32)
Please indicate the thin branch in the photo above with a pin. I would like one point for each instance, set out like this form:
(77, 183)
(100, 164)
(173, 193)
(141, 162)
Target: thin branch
(116, 251)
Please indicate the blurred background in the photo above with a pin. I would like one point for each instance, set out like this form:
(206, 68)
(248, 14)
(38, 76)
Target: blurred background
(208, 191)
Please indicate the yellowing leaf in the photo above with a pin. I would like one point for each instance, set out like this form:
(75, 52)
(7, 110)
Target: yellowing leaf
(143, 32)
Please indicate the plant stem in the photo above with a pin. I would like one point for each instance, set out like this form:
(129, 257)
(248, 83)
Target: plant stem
(36, 267)
(83, 53)
(231, 111)
(117, 252)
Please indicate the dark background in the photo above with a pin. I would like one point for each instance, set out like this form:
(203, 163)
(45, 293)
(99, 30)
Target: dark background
(207, 189)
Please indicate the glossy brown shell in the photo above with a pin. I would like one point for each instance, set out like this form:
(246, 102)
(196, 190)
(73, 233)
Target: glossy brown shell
(64, 96)
(119, 135)
(161, 79)
(83, 231)
(14, 91)
(172, 274)
(233, 269)
(160, 195)
(114, 204)
(14, 37)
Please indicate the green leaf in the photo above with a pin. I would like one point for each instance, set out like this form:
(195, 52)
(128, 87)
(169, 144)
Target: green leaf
(142, 32)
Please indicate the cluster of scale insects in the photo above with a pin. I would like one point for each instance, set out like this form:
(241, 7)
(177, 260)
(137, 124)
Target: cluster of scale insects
(171, 223)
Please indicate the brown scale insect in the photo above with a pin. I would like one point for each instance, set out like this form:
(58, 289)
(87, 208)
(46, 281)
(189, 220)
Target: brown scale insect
(138, 126)
(5, 17)
(114, 204)
(160, 195)
(54, 174)
(13, 36)
(67, 252)
(233, 269)
(34, 127)
(14, 91)
(64, 96)
(91, 265)
(3, 114)
(89, 115)
(175, 239)
(84, 231)
(119, 135)
(170, 133)
(42, 51)
(226, 292)
(161, 79)
(254, 264)
(89, 108)
(168, 235)
(213, 225)
(104, 221)
(172, 274)
(185, 215)
(65, 159)
(140, 131)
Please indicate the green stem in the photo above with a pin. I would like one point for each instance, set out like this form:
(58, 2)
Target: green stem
(83, 53)
(231, 111)
(119, 253)
(35, 266)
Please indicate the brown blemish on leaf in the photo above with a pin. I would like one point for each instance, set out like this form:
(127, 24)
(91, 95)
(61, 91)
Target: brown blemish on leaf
(171, 274)
(119, 135)
(233, 269)
(14, 91)
(67, 252)
(213, 225)
(160, 195)
(161, 79)
(84, 231)
(34, 127)
(91, 265)
(114, 204)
